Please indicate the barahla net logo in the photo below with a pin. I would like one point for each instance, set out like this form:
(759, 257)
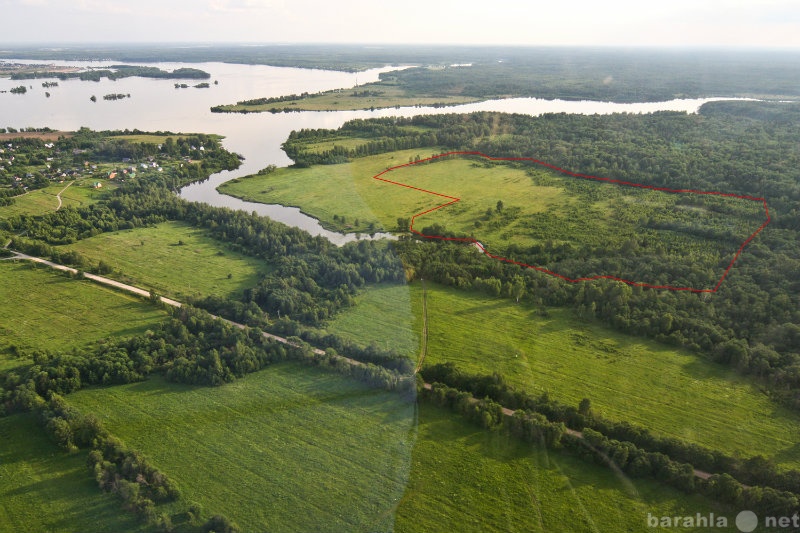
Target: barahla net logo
(745, 521)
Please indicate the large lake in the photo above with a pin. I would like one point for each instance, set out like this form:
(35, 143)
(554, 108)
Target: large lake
(156, 105)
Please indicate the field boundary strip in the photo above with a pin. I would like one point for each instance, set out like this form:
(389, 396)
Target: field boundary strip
(453, 199)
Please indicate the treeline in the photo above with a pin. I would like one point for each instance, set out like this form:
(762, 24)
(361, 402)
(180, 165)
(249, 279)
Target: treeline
(386, 135)
(608, 75)
(115, 467)
(119, 72)
(372, 353)
(619, 455)
(755, 470)
(120, 470)
(250, 314)
(636, 462)
(372, 375)
(192, 347)
(273, 100)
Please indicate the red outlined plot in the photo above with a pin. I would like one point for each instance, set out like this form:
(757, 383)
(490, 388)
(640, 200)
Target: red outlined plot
(452, 199)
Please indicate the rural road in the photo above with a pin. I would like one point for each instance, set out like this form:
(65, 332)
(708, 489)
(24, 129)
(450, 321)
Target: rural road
(174, 303)
(141, 292)
(62, 192)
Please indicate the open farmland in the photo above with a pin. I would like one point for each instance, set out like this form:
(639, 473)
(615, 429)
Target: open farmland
(288, 448)
(174, 259)
(670, 391)
(467, 479)
(53, 312)
(43, 488)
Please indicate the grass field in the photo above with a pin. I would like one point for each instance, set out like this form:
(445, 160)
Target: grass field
(289, 448)
(667, 390)
(43, 488)
(536, 206)
(467, 479)
(153, 258)
(329, 144)
(383, 315)
(292, 448)
(48, 311)
(40, 201)
(384, 94)
(348, 190)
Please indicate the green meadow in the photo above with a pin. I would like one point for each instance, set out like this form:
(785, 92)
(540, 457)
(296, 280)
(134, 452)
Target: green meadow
(43, 488)
(294, 448)
(325, 191)
(467, 479)
(502, 205)
(174, 259)
(667, 390)
(45, 310)
(289, 448)
(41, 201)
(383, 314)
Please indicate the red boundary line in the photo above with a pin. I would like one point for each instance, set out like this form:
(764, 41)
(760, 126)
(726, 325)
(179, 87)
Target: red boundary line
(453, 199)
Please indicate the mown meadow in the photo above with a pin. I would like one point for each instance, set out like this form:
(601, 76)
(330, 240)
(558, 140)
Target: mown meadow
(289, 448)
(44, 488)
(174, 259)
(670, 391)
(50, 311)
(468, 479)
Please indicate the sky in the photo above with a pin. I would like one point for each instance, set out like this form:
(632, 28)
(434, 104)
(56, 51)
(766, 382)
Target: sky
(674, 23)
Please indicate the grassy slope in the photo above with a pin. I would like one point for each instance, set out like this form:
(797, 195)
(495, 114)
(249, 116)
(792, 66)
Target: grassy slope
(45, 489)
(151, 257)
(48, 311)
(627, 378)
(467, 479)
(286, 449)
